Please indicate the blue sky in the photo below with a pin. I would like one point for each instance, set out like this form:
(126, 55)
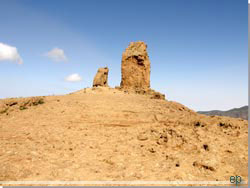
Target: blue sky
(198, 48)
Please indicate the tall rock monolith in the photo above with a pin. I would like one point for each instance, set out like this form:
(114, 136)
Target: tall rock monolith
(135, 67)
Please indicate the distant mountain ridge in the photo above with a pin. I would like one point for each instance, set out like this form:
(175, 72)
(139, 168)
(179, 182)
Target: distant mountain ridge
(235, 112)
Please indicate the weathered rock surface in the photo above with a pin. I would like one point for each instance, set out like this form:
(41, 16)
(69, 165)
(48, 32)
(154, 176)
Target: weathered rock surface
(136, 71)
(135, 67)
(101, 77)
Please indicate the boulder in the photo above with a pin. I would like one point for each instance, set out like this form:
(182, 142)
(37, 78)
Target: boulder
(135, 67)
(101, 77)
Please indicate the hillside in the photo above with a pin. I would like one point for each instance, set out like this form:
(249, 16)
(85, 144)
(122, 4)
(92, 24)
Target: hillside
(107, 134)
(235, 112)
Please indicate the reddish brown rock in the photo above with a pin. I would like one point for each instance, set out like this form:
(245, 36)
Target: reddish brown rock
(101, 77)
(135, 67)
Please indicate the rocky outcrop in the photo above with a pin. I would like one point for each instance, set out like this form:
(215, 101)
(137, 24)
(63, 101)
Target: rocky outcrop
(101, 77)
(156, 95)
(135, 67)
(136, 71)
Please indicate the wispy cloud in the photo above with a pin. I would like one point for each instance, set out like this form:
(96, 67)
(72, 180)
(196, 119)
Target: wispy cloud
(56, 54)
(9, 53)
(73, 78)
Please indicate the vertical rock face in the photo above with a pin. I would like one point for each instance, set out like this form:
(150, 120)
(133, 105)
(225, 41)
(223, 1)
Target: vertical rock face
(101, 77)
(135, 67)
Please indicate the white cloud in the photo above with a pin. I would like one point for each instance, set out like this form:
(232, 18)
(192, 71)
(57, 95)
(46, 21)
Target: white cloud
(56, 54)
(9, 53)
(73, 78)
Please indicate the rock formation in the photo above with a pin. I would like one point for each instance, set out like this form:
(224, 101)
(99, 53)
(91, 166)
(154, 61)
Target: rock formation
(136, 71)
(101, 77)
(135, 67)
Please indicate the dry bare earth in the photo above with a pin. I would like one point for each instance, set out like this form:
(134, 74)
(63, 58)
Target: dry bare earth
(105, 134)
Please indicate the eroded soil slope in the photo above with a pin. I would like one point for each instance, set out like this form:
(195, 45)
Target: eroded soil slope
(105, 134)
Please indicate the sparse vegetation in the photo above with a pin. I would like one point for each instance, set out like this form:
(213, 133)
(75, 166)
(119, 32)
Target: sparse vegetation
(39, 101)
(16, 104)
(4, 111)
(23, 108)
(31, 102)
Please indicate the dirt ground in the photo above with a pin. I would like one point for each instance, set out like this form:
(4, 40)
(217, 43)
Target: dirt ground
(106, 134)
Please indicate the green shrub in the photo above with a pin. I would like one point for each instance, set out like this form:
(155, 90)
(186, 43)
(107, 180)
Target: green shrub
(23, 108)
(39, 101)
